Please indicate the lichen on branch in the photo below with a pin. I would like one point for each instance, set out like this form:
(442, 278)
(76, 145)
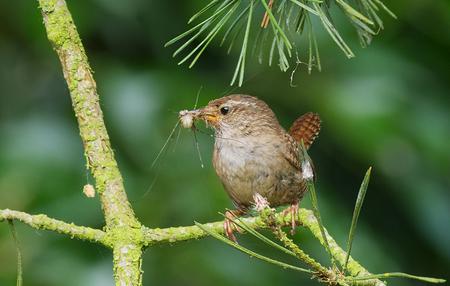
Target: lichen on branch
(63, 36)
(305, 218)
(120, 220)
(43, 222)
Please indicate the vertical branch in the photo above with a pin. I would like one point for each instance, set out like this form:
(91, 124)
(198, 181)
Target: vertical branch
(127, 259)
(121, 223)
(64, 37)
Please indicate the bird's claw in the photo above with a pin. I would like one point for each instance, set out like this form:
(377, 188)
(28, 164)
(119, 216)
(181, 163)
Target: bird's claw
(229, 226)
(292, 210)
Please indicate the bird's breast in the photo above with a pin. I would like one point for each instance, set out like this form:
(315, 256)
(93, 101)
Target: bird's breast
(244, 156)
(248, 165)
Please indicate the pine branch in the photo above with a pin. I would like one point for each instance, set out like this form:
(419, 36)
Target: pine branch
(287, 20)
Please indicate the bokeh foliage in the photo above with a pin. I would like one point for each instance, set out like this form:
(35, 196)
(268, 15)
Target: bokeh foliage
(388, 108)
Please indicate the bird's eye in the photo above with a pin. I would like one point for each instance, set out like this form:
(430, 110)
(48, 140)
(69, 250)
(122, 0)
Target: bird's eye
(224, 110)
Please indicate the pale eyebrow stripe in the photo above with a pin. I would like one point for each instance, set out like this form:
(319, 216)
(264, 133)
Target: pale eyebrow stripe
(242, 102)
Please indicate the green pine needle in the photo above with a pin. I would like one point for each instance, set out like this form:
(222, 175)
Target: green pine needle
(240, 67)
(19, 253)
(353, 13)
(250, 252)
(305, 161)
(334, 34)
(230, 14)
(209, 38)
(276, 27)
(235, 22)
(356, 212)
(305, 7)
(396, 275)
(203, 10)
(202, 25)
(240, 223)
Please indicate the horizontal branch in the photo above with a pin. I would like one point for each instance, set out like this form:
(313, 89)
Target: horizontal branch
(305, 218)
(183, 233)
(45, 223)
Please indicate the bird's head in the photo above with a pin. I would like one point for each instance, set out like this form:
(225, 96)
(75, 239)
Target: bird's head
(239, 115)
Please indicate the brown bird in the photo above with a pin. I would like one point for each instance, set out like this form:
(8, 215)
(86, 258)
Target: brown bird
(254, 154)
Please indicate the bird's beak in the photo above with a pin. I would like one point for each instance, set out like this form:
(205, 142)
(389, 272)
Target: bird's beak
(209, 115)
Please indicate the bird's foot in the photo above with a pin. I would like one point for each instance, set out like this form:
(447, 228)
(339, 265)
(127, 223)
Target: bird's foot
(229, 226)
(292, 210)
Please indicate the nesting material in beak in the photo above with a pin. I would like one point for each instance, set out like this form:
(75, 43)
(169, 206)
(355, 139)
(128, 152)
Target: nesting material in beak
(187, 117)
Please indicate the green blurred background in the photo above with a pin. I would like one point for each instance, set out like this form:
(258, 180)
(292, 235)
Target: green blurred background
(387, 108)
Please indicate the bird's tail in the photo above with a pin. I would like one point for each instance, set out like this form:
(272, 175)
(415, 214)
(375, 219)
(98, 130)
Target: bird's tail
(306, 128)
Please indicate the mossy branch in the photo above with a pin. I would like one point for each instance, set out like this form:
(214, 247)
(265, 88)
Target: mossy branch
(65, 40)
(43, 222)
(305, 218)
(157, 236)
(148, 237)
(120, 220)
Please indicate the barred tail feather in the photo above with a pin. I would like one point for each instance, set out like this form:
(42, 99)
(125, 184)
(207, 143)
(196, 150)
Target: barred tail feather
(306, 128)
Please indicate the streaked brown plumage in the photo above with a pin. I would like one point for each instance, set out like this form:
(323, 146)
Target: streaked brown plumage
(254, 154)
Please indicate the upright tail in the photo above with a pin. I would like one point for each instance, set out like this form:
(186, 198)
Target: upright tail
(306, 128)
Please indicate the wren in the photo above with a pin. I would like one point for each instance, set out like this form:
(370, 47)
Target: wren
(253, 153)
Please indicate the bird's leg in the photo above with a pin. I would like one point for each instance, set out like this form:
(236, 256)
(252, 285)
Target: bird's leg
(293, 211)
(228, 224)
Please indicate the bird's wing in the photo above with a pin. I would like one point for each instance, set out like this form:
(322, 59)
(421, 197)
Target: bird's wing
(297, 157)
(292, 152)
(306, 128)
